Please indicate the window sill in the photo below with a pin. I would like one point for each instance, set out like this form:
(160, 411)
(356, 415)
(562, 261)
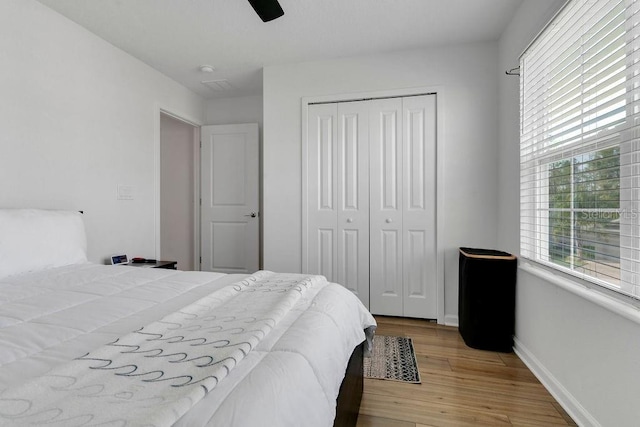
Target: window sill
(627, 310)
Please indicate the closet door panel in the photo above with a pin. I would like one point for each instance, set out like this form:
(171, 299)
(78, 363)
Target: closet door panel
(418, 212)
(386, 180)
(353, 198)
(326, 255)
(322, 170)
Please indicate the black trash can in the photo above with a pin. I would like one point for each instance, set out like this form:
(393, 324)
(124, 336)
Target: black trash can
(486, 299)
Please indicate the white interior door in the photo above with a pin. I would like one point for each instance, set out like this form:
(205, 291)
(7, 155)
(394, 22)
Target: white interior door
(229, 198)
(419, 208)
(385, 140)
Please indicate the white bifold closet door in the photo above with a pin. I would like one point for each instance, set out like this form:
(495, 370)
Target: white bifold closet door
(371, 201)
(338, 195)
(385, 170)
(402, 208)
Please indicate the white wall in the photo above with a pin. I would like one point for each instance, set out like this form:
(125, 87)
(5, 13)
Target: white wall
(177, 197)
(78, 117)
(468, 75)
(230, 111)
(588, 356)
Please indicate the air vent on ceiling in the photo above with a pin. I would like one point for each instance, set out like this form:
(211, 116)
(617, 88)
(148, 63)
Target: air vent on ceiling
(217, 85)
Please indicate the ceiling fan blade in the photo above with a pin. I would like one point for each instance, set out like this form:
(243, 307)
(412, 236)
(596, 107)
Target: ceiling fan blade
(267, 10)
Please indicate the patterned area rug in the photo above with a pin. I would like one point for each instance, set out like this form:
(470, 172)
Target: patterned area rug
(393, 358)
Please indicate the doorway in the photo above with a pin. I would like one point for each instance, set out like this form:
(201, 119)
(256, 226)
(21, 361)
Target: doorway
(179, 146)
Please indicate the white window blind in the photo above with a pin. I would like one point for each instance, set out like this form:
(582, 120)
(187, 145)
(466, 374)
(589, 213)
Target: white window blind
(580, 145)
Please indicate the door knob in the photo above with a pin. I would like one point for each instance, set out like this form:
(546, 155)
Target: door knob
(349, 220)
(388, 220)
(252, 214)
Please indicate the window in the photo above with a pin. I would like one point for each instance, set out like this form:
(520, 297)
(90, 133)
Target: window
(580, 144)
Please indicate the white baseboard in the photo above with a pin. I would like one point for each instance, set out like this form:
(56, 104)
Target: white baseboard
(570, 404)
(451, 320)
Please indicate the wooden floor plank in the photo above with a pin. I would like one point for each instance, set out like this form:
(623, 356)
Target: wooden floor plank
(432, 394)
(486, 384)
(406, 331)
(458, 352)
(430, 362)
(530, 420)
(510, 359)
(448, 341)
(369, 421)
(460, 386)
(503, 372)
(416, 411)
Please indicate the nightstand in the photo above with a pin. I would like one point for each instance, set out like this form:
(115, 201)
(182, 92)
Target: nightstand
(169, 265)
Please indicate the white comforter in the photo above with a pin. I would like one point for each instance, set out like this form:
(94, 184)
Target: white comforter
(291, 377)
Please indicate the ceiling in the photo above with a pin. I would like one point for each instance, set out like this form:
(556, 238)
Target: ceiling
(176, 37)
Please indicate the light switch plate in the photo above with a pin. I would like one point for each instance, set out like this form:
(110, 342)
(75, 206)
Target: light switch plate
(125, 192)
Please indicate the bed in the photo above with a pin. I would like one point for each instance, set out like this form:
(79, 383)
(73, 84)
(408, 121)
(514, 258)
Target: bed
(88, 344)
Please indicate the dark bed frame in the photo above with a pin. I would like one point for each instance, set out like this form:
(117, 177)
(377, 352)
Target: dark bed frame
(350, 394)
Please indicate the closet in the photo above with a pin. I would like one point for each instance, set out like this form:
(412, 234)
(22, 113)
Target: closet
(369, 215)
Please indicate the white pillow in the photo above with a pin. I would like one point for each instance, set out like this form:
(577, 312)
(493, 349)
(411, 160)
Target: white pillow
(34, 239)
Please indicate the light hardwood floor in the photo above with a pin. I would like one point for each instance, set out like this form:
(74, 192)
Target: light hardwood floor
(460, 386)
